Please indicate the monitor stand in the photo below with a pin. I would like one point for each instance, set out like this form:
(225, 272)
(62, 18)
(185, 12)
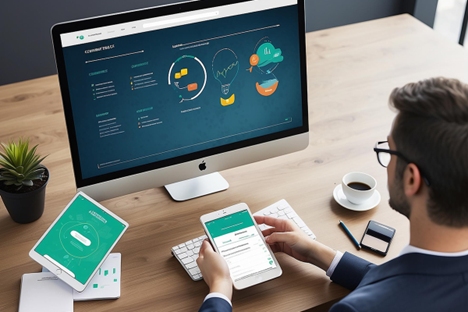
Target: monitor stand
(196, 187)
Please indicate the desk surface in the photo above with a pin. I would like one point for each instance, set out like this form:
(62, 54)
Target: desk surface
(351, 70)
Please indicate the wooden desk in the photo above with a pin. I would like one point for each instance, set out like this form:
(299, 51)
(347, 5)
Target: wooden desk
(351, 70)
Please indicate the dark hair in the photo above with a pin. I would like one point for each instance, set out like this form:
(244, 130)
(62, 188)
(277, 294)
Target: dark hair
(431, 129)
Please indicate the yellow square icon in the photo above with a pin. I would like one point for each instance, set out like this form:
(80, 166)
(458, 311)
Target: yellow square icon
(184, 71)
(177, 76)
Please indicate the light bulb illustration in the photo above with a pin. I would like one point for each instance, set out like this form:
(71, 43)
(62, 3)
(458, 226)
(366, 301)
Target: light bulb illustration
(225, 66)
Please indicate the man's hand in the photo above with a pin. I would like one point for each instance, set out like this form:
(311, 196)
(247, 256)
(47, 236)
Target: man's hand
(214, 270)
(285, 236)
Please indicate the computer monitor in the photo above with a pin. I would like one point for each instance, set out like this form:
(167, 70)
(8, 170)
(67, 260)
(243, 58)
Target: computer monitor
(172, 95)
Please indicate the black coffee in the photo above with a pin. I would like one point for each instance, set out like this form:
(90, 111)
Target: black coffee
(359, 186)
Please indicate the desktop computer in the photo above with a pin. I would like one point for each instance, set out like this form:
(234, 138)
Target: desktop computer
(171, 95)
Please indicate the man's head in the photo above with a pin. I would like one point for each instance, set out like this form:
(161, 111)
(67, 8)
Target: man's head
(431, 130)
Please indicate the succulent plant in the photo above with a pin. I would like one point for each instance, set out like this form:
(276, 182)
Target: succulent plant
(19, 165)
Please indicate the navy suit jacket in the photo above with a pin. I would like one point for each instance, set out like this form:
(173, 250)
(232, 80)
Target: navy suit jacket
(215, 305)
(410, 282)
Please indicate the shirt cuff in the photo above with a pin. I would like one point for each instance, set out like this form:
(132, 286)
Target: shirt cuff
(334, 263)
(217, 295)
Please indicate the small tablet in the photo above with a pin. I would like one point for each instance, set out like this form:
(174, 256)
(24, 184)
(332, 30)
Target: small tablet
(237, 238)
(78, 241)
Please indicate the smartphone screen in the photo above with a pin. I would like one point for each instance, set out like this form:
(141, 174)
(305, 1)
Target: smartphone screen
(377, 237)
(240, 244)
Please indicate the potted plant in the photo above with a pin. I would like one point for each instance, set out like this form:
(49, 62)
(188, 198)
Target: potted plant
(23, 180)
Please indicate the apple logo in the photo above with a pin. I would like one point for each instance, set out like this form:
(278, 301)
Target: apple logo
(202, 166)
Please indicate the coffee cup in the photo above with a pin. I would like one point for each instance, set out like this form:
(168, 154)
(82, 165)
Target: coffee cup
(358, 187)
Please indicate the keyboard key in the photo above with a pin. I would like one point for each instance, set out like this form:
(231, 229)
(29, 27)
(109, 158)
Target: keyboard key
(194, 271)
(191, 265)
(299, 221)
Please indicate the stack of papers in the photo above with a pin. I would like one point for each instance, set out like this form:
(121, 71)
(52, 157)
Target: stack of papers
(44, 291)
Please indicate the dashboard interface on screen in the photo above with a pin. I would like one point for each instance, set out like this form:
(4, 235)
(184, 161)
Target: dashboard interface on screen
(143, 93)
(240, 244)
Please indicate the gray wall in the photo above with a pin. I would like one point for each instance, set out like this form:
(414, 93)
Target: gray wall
(323, 14)
(26, 48)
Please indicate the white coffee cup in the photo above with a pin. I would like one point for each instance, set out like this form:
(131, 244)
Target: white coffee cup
(358, 187)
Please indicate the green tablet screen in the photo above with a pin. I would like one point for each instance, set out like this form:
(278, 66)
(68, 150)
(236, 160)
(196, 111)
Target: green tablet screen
(81, 238)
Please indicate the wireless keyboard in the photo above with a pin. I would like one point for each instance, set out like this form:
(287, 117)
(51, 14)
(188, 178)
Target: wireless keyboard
(187, 252)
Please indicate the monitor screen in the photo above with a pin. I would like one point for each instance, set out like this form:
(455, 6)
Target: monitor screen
(161, 95)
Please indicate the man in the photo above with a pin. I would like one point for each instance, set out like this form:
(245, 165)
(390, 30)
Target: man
(427, 168)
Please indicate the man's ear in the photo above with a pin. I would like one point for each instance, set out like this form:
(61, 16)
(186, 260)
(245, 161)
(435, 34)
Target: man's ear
(412, 180)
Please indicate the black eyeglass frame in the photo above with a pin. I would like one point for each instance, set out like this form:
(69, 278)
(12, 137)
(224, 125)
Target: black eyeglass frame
(398, 154)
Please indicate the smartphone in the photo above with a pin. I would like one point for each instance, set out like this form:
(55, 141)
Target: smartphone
(377, 237)
(235, 235)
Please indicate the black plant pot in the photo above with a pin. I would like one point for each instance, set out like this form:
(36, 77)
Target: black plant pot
(25, 207)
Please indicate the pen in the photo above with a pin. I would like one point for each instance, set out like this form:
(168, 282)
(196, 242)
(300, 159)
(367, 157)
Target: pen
(350, 235)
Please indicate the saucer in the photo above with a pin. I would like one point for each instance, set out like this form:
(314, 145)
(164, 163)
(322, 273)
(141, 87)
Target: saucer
(341, 199)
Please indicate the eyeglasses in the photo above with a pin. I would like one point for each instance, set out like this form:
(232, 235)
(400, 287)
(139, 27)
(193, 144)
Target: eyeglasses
(383, 151)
